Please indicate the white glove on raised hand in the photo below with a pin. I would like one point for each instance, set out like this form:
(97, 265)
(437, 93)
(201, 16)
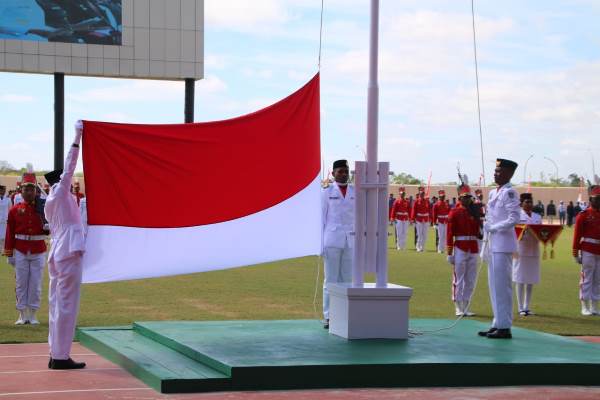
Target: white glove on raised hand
(11, 261)
(78, 132)
(450, 259)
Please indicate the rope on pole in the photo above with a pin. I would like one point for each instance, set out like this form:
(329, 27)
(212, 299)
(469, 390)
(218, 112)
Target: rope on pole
(477, 85)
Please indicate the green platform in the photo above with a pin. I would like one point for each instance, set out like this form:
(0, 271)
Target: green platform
(186, 356)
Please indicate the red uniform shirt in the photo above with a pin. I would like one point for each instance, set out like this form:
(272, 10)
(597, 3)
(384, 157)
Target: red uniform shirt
(79, 196)
(420, 211)
(400, 210)
(587, 226)
(462, 225)
(440, 212)
(23, 220)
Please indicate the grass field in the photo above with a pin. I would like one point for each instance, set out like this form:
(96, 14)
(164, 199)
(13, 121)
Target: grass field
(285, 290)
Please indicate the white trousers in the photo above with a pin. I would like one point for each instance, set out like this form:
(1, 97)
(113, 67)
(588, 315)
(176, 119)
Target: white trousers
(442, 229)
(500, 285)
(464, 275)
(422, 229)
(338, 269)
(65, 282)
(29, 270)
(589, 285)
(2, 233)
(401, 232)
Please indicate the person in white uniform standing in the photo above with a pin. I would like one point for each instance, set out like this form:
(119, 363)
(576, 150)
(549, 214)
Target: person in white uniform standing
(64, 261)
(338, 231)
(5, 205)
(526, 266)
(503, 214)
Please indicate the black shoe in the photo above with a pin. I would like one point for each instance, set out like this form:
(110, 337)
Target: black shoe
(326, 324)
(500, 334)
(485, 333)
(50, 363)
(66, 364)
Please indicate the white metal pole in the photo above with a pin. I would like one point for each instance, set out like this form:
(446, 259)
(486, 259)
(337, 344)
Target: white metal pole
(372, 126)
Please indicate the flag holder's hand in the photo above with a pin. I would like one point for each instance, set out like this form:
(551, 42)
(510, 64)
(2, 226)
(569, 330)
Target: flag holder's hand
(78, 132)
(451, 259)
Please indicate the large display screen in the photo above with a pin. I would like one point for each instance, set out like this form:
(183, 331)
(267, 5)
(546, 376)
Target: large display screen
(67, 21)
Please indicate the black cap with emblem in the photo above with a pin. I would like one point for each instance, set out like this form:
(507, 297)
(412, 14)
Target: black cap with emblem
(503, 163)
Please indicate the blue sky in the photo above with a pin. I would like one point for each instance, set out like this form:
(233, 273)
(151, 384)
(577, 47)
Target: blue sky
(539, 78)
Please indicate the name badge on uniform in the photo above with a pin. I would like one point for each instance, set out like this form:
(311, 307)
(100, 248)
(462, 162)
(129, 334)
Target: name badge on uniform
(334, 197)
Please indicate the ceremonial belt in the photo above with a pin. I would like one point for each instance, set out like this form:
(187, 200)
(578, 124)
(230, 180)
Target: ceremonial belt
(590, 240)
(30, 237)
(401, 213)
(422, 215)
(463, 238)
(442, 216)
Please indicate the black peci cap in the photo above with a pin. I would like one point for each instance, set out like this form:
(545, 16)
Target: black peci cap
(526, 196)
(503, 163)
(340, 164)
(53, 176)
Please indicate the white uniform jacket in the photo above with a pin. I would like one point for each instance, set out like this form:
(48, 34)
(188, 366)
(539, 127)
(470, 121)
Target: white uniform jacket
(338, 216)
(5, 206)
(63, 215)
(503, 213)
(529, 245)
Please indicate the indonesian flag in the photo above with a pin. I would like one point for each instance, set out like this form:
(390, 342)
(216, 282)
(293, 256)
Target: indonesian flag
(177, 199)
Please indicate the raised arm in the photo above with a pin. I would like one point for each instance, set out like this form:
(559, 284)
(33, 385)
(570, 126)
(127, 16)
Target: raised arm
(71, 161)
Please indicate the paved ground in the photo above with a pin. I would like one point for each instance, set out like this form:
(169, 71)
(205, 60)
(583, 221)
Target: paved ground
(24, 375)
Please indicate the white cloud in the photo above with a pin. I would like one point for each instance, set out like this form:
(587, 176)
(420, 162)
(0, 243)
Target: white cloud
(16, 98)
(243, 16)
(146, 91)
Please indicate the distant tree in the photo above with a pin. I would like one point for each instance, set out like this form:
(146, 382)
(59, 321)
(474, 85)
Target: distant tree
(5, 166)
(405, 179)
(574, 180)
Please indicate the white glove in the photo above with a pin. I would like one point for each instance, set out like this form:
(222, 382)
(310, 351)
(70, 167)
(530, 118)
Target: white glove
(450, 259)
(78, 132)
(11, 261)
(487, 227)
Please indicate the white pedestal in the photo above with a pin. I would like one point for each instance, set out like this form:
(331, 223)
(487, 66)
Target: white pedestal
(369, 312)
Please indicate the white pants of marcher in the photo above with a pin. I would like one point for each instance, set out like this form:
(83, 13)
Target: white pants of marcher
(2, 233)
(500, 285)
(65, 282)
(589, 285)
(442, 229)
(401, 232)
(464, 275)
(29, 269)
(338, 269)
(422, 229)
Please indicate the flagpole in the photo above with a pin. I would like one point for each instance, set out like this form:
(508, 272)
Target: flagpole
(374, 249)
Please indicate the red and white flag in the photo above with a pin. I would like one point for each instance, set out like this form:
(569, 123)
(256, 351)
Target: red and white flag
(178, 199)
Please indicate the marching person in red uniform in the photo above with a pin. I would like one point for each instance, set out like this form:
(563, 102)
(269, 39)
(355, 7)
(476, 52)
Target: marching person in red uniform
(420, 215)
(400, 214)
(464, 230)
(586, 250)
(77, 192)
(440, 212)
(25, 248)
